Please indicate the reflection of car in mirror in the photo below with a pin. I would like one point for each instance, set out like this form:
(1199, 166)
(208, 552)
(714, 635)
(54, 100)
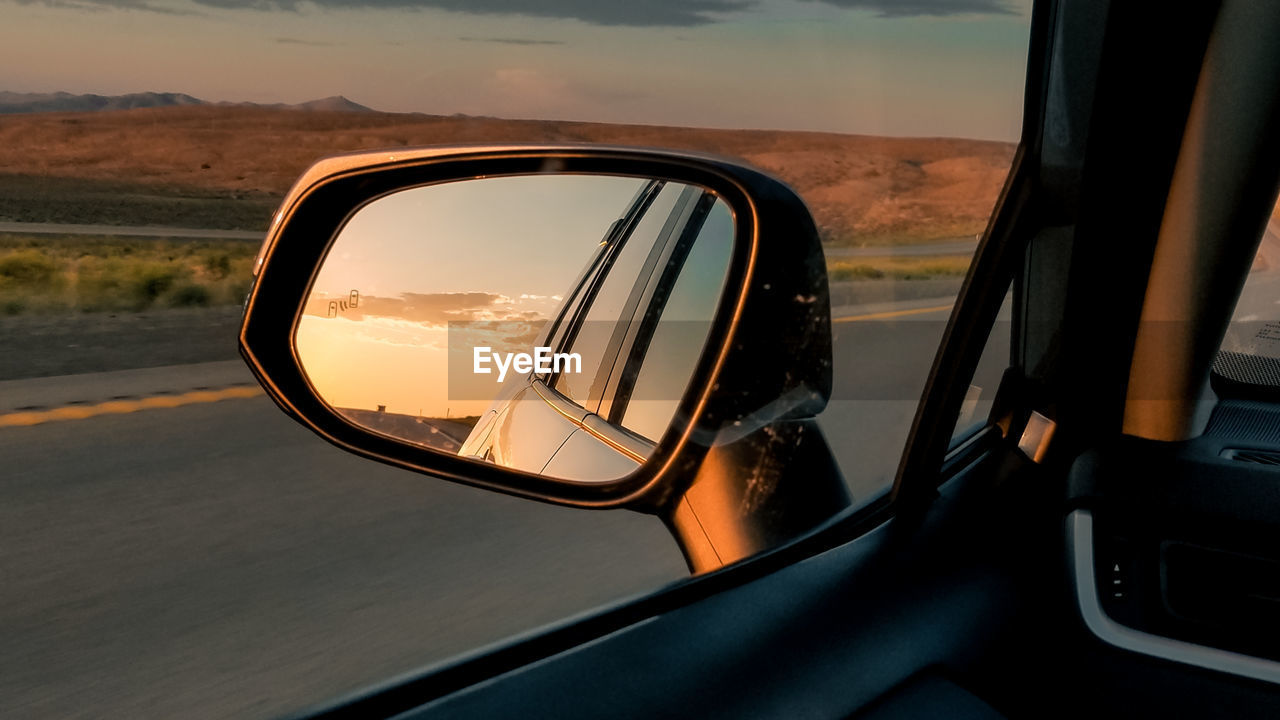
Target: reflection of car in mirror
(532, 362)
(639, 315)
(410, 310)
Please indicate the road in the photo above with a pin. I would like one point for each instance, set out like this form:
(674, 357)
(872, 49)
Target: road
(22, 228)
(214, 559)
(217, 560)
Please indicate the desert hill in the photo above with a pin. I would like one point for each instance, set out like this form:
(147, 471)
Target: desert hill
(335, 103)
(862, 189)
(12, 103)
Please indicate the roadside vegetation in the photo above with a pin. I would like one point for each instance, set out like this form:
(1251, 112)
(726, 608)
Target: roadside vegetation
(897, 268)
(47, 275)
(61, 274)
(43, 199)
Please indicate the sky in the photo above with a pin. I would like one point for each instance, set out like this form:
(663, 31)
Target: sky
(435, 268)
(887, 67)
(438, 270)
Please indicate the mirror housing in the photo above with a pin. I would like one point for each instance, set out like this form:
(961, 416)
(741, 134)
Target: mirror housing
(767, 359)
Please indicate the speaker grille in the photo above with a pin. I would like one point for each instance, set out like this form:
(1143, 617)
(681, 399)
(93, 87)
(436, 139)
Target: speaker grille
(1248, 369)
(1245, 422)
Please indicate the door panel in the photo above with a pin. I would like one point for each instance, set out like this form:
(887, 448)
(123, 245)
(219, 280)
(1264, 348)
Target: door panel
(527, 433)
(585, 457)
(820, 638)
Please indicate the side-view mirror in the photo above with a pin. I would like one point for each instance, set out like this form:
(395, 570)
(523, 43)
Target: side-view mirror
(587, 326)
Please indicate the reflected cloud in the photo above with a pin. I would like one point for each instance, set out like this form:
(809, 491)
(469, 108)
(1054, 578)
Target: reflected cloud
(398, 333)
(505, 335)
(432, 309)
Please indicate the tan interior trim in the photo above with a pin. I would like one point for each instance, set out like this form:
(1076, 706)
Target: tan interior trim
(1207, 233)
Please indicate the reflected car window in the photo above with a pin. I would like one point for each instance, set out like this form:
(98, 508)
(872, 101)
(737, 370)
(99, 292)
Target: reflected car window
(682, 332)
(592, 339)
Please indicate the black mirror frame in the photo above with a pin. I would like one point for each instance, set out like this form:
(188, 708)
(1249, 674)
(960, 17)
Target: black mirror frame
(773, 316)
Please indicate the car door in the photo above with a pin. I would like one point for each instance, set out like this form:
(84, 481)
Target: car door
(981, 586)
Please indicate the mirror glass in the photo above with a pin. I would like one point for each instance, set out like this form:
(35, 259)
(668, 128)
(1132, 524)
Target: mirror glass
(548, 323)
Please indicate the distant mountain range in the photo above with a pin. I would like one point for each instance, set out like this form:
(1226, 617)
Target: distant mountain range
(12, 103)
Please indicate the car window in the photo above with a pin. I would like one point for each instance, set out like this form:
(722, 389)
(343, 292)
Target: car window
(681, 332)
(595, 328)
(177, 546)
(1249, 357)
(975, 411)
(562, 323)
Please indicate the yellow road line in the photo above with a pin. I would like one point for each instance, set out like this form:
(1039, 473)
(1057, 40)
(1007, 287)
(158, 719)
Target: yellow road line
(890, 314)
(118, 407)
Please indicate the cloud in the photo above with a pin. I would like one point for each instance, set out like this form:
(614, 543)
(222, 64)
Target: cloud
(937, 8)
(300, 41)
(669, 13)
(527, 92)
(512, 41)
(435, 308)
(431, 309)
(99, 5)
(628, 13)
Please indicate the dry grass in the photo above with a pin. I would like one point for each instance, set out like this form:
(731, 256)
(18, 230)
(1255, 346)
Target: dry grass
(33, 198)
(862, 190)
(898, 268)
(65, 274)
(59, 274)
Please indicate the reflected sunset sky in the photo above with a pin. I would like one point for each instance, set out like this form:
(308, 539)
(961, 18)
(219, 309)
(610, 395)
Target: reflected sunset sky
(495, 249)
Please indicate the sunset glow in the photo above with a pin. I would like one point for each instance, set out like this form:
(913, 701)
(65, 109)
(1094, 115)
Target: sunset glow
(427, 272)
(944, 68)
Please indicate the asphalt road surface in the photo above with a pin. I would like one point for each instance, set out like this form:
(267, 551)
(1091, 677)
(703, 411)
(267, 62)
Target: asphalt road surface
(215, 559)
(24, 228)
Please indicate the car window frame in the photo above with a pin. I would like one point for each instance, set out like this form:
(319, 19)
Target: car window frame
(562, 323)
(583, 307)
(639, 335)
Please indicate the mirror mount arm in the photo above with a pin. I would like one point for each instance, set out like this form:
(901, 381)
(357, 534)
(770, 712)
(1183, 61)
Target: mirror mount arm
(739, 503)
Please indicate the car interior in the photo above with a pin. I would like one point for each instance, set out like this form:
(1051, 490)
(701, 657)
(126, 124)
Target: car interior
(1108, 544)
